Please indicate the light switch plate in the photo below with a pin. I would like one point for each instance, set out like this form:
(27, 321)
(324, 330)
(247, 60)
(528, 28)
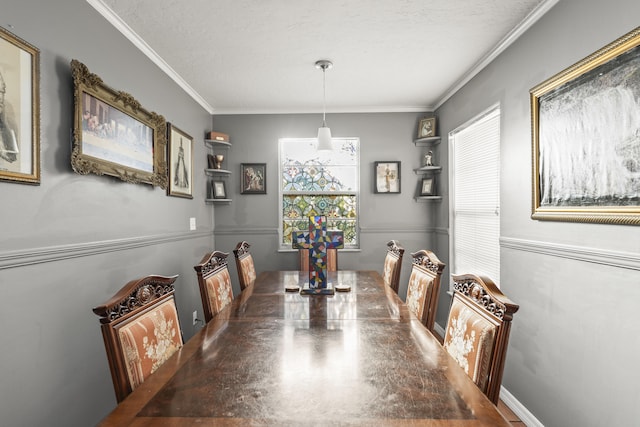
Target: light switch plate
(192, 224)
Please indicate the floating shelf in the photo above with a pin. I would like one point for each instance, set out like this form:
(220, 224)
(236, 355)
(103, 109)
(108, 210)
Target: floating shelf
(213, 142)
(217, 200)
(431, 140)
(428, 198)
(217, 172)
(427, 169)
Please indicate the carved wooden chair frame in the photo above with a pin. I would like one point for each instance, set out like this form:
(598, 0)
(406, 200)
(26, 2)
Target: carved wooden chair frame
(482, 295)
(211, 264)
(136, 298)
(394, 250)
(241, 252)
(427, 262)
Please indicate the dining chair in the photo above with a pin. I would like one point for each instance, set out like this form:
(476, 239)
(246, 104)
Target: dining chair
(477, 331)
(424, 286)
(244, 264)
(332, 259)
(393, 265)
(141, 330)
(215, 283)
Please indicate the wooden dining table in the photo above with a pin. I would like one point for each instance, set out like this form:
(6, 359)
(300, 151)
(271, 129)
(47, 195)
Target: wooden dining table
(279, 358)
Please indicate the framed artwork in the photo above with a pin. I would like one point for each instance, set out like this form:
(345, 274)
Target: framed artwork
(387, 177)
(427, 127)
(180, 159)
(253, 178)
(114, 135)
(586, 138)
(19, 110)
(218, 190)
(428, 186)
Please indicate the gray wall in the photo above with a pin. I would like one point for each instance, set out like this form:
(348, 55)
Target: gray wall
(574, 342)
(70, 243)
(383, 217)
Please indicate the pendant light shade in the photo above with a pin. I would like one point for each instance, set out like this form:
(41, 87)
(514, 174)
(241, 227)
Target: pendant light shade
(324, 133)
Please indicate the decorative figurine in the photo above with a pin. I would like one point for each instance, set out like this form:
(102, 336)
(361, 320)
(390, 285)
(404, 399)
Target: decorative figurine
(219, 158)
(428, 159)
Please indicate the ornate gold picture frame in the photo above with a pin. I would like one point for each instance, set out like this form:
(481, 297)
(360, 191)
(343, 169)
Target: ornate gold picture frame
(113, 135)
(586, 138)
(19, 110)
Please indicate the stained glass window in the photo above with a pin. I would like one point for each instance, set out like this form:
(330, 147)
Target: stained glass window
(319, 183)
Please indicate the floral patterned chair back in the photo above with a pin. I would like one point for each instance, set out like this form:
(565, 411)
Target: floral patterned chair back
(477, 331)
(141, 330)
(215, 283)
(393, 265)
(424, 286)
(244, 264)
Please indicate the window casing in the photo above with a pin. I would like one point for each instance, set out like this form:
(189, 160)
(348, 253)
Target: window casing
(316, 182)
(475, 196)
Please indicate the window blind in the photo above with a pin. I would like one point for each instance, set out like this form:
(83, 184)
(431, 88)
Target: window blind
(475, 179)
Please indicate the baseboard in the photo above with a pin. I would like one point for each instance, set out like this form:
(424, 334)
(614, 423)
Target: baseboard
(519, 409)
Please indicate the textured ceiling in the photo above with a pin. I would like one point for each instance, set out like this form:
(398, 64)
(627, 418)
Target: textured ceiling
(252, 56)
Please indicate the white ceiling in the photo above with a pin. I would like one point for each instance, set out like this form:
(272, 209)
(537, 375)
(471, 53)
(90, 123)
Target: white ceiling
(258, 56)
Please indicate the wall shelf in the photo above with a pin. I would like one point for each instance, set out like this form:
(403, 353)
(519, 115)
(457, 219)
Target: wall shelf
(423, 142)
(217, 200)
(213, 172)
(427, 169)
(428, 198)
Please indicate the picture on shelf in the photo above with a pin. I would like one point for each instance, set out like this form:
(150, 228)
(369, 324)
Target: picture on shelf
(427, 127)
(428, 187)
(218, 190)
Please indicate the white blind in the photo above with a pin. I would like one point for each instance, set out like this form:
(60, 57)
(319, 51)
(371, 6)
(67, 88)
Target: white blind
(476, 196)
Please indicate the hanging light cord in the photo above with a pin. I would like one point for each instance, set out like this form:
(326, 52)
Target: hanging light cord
(324, 96)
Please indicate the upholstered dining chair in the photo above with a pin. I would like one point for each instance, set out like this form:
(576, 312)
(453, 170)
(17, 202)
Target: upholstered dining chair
(393, 265)
(141, 330)
(424, 286)
(332, 259)
(215, 283)
(477, 331)
(244, 264)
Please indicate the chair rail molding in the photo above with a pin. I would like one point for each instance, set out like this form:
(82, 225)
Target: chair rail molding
(611, 258)
(24, 257)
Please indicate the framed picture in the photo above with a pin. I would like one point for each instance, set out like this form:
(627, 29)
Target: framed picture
(427, 127)
(218, 190)
(428, 187)
(19, 110)
(113, 135)
(586, 138)
(387, 177)
(180, 150)
(253, 178)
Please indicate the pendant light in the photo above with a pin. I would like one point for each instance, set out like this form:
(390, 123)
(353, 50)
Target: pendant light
(324, 133)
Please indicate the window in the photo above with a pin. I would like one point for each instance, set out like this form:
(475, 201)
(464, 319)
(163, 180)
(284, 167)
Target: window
(316, 182)
(475, 198)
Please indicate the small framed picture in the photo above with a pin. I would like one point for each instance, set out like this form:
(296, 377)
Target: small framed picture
(218, 190)
(253, 178)
(181, 163)
(387, 177)
(427, 127)
(428, 187)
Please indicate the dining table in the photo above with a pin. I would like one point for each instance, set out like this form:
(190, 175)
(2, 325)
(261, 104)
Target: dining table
(276, 357)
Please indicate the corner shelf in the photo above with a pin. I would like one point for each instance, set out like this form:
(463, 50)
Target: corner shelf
(427, 169)
(217, 200)
(213, 172)
(213, 143)
(423, 142)
(428, 198)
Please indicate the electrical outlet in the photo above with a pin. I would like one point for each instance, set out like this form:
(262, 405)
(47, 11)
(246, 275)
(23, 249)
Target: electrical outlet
(192, 224)
(195, 317)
